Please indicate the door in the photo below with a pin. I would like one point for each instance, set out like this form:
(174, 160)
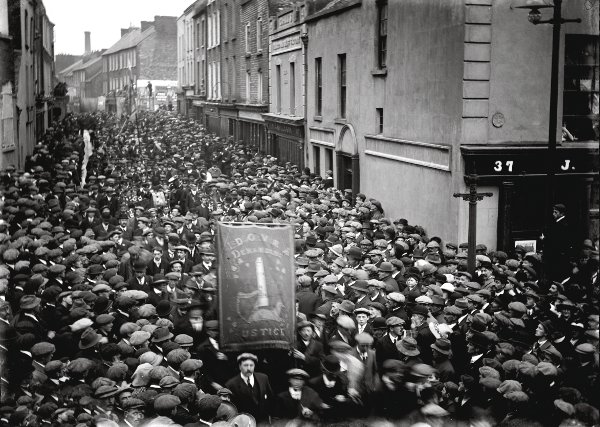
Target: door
(345, 172)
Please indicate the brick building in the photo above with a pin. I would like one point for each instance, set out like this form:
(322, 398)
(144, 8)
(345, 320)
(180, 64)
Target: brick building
(230, 42)
(147, 53)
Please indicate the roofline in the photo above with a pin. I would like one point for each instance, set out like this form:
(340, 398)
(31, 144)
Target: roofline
(333, 11)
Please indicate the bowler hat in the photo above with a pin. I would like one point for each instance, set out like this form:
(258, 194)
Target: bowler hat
(330, 363)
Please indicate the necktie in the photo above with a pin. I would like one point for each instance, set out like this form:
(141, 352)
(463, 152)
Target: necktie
(248, 382)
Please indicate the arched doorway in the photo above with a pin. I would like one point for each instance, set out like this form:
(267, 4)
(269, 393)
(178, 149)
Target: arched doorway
(348, 171)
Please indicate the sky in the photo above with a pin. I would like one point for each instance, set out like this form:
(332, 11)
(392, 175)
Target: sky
(103, 18)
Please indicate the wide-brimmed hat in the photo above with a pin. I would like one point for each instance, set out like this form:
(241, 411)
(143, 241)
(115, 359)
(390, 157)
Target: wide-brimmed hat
(408, 346)
(88, 339)
(161, 334)
(441, 345)
(361, 286)
(29, 301)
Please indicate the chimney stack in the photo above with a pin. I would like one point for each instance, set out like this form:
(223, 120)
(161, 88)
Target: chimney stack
(146, 25)
(88, 43)
(124, 31)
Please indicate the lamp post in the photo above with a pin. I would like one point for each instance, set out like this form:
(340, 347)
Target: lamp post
(535, 17)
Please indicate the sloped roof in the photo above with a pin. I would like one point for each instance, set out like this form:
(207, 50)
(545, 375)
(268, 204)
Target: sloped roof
(332, 7)
(70, 68)
(87, 64)
(129, 40)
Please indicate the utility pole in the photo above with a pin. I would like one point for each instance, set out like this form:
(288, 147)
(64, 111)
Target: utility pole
(472, 197)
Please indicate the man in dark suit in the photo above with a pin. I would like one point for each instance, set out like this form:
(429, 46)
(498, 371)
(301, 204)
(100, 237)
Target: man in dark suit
(110, 201)
(308, 351)
(103, 229)
(251, 391)
(299, 401)
(558, 244)
(308, 301)
(385, 348)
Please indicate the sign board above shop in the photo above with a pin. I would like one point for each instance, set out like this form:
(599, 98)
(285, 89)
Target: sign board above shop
(504, 162)
(286, 44)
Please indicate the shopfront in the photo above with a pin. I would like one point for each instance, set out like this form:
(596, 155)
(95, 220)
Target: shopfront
(520, 174)
(285, 139)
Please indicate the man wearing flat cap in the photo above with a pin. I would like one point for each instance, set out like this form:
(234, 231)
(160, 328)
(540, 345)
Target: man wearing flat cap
(251, 390)
(308, 351)
(385, 347)
(299, 401)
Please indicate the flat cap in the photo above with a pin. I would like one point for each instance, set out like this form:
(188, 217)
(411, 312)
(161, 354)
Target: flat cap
(177, 356)
(104, 319)
(165, 402)
(364, 338)
(42, 349)
(190, 365)
(394, 321)
(139, 337)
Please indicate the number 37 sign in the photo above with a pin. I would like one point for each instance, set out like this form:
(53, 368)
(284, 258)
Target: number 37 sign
(508, 166)
(527, 161)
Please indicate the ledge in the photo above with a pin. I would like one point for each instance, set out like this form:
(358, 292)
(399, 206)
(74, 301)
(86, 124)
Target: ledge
(318, 118)
(379, 72)
(425, 154)
(340, 121)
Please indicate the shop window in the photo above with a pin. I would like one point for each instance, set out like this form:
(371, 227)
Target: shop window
(581, 89)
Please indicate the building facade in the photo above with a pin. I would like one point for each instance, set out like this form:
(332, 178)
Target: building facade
(147, 54)
(285, 119)
(230, 41)
(27, 78)
(84, 79)
(462, 90)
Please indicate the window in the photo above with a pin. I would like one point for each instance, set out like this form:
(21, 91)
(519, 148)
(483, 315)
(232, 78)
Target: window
(209, 24)
(226, 75)
(225, 19)
(234, 76)
(278, 87)
(318, 86)
(202, 24)
(217, 27)
(247, 87)
(329, 159)
(379, 122)
(292, 89)
(26, 32)
(581, 88)
(248, 37)
(218, 80)
(382, 11)
(317, 159)
(259, 87)
(259, 35)
(342, 84)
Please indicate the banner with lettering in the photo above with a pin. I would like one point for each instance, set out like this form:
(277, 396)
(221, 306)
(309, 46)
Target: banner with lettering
(256, 286)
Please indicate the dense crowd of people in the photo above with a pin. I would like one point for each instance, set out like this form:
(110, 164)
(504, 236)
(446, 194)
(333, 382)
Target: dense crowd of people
(109, 297)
